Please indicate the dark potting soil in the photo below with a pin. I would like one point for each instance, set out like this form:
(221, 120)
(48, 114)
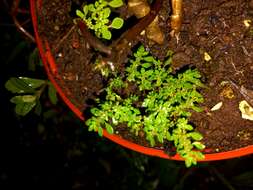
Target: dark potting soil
(215, 30)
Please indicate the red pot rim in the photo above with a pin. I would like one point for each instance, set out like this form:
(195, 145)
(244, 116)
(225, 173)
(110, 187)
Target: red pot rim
(49, 64)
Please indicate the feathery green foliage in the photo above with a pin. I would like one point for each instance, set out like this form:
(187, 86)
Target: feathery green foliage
(165, 98)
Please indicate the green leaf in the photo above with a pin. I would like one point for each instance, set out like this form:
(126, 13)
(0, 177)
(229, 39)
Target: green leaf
(24, 104)
(109, 128)
(100, 131)
(95, 111)
(197, 109)
(25, 99)
(198, 155)
(190, 161)
(52, 94)
(117, 23)
(80, 14)
(169, 53)
(106, 12)
(28, 98)
(182, 123)
(24, 108)
(33, 59)
(146, 65)
(151, 140)
(198, 145)
(15, 85)
(91, 124)
(91, 127)
(91, 8)
(85, 10)
(149, 59)
(195, 136)
(160, 138)
(106, 34)
(33, 83)
(116, 3)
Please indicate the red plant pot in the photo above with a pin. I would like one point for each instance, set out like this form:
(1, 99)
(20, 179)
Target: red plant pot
(51, 69)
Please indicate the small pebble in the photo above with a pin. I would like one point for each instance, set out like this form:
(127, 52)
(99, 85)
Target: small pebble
(56, 27)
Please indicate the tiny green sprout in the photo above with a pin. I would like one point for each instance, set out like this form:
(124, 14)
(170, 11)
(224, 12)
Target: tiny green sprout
(251, 32)
(96, 17)
(102, 67)
(159, 106)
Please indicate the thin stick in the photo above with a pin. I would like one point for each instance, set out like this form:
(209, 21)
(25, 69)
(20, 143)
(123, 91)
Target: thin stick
(247, 94)
(123, 45)
(14, 11)
(92, 40)
(64, 37)
(21, 28)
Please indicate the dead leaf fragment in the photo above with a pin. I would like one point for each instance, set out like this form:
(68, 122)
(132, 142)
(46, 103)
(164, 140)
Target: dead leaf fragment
(217, 106)
(207, 57)
(247, 23)
(246, 110)
(227, 92)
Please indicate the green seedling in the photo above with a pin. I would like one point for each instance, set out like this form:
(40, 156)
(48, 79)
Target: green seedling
(159, 106)
(96, 17)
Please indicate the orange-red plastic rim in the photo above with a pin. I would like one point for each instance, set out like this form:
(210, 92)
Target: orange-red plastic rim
(49, 63)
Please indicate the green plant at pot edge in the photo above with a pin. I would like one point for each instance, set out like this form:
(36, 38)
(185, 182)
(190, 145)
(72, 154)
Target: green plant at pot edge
(159, 106)
(96, 17)
(28, 92)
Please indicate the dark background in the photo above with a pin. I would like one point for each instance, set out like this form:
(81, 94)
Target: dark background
(54, 149)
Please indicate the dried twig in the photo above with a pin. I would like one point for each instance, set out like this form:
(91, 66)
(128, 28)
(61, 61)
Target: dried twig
(92, 40)
(122, 47)
(14, 12)
(141, 8)
(246, 93)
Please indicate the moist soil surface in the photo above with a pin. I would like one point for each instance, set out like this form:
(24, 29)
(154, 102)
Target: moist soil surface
(216, 38)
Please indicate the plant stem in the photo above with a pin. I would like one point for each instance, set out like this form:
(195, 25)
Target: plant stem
(41, 90)
(119, 49)
(124, 44)
(64, 38)
(92, 40)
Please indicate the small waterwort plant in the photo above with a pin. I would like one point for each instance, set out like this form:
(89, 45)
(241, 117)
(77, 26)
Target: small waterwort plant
(149, 99)
(96, 16)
